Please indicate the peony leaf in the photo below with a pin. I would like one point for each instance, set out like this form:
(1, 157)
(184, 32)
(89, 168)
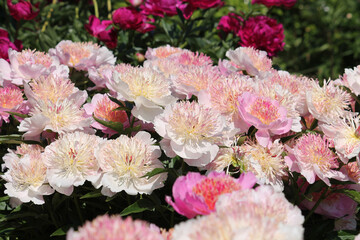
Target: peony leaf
(140, 205)
(117, 126)
(354, 195)
(154, 172)
(58, 232)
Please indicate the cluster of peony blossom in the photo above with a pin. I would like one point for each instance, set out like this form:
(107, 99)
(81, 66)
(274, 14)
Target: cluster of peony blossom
(239, 112)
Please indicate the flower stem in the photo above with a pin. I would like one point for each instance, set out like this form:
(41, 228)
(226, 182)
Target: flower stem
(109, 8)
(77, 206)
(322, 197)
(96, 8)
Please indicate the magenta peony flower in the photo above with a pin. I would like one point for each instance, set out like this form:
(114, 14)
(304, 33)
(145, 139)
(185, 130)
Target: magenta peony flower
(270, 3)
(194, 4)
(196, 194)
(127, 18)
(160, 7)
(230, 23)
(22, 10)
(262, 33)
(5, 44)
(98, 28)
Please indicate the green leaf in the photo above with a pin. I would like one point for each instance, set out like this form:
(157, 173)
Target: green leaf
(58, 232)
(154, 172)
(140, 205)
(355, 195)
(93, 194)
(116, 101)
(117, 126)
(19, 114)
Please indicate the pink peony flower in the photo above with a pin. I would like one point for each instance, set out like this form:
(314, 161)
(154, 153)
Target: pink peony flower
(11, 100)
(26, 175)
(195, 194)
(335, 205)
(312, 158)
(351, 79)
(270, 3)
(190, 81)
(264, 114)
(98, 28)
(135, 3)
(22, 10)
(230, 23)
(346, 136)
(160, 7)
(263, 33)
(82, 55)
(253, 61)
(327, 103)
(259, 213)
(70, 161)
(115, 228)
(267, 164)
(124, 161)
(191, 131)
(29, 64)
(223, 97)
(148, 89)
(104, 109)
(6, 44)
(162, 52)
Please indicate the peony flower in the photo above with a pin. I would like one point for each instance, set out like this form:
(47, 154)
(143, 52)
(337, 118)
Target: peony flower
(60, 117)
(352, 171)
(264, 114)
(335, 205)
(148, 89)
(160, 7)
(190, 81)
(262, 33)
(312, 157)
(162, 52)
(115, 228)
(102, 75)
(191, 131)
(105, 109)
(195, 4)
(22, 10)
(346, 136)
(52, 88)
(223, 96)
(135, 3)
(129, 18)
(6, 44)
(253, 61)
(29, 64)
(26, 175)
(124, 161)
(98, 28)
(285, 98)
(70, 161)
(248, 214)
(11, 100)
(230, 23)
(267, 164)
(82, 55)
(351, 79)
(327, 103)
(195, 194)
(270, 3)
(297, 86)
